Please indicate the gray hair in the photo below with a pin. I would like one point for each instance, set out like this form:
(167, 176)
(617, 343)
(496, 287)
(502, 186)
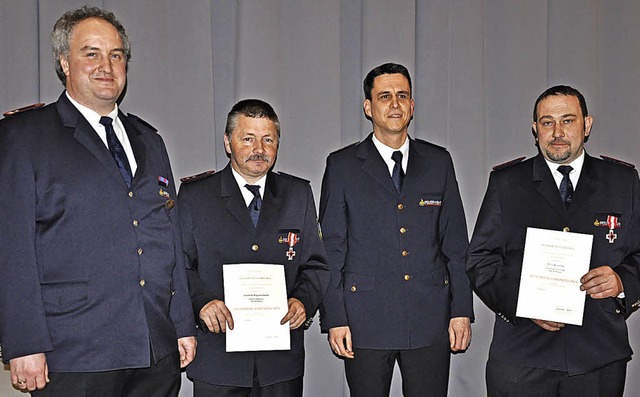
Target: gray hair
(63, 29)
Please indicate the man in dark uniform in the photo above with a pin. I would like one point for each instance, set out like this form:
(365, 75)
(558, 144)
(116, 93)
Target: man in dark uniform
(563, 189)
(396, 237)
(248, 214)
(93, 288)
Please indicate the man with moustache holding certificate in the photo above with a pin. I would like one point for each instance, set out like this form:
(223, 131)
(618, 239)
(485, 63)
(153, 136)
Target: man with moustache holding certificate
(248, 214)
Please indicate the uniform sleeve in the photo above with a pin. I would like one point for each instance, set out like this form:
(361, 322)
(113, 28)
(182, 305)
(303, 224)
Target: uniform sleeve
(629, 269)
(486, 257)
(453, 229)
(333, 219)
(23, 325)
(313, 274)
(199, 294)
(180, 309)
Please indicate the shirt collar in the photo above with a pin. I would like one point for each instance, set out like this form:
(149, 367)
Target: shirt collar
(91, 115)
(386, 152)
(574, 175)
(246, 193)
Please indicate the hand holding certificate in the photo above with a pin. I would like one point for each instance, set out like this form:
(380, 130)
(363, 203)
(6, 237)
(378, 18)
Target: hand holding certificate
(256, 295)
(552, 266)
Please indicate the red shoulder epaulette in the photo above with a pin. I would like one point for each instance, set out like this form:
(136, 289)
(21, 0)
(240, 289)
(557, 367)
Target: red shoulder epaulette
(509, 163)
(196, 177)
(612, 160)
(23, 109)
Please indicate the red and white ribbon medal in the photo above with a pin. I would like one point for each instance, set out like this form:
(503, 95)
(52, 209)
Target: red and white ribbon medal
(292, 239)
(612, 223)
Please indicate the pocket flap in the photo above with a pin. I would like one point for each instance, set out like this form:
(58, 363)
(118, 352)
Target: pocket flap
(358, 282)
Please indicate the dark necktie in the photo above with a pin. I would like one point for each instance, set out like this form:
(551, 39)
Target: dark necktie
(566, 187)
(398, 173)
(256, 204)
(117, 151)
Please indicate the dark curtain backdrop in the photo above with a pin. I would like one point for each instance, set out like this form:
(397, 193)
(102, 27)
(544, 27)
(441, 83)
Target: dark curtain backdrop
(478, 66)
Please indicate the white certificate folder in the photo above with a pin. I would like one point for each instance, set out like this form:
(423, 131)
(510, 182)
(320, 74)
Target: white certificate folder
(256, 296)
(552, 266)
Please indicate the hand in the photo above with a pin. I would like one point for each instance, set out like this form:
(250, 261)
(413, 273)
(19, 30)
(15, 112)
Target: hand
(548, 325)
(340, 341)
(459, 333)
(187, 349)
(602, 282)
(296, 314)
(29, 372)
(216, 316)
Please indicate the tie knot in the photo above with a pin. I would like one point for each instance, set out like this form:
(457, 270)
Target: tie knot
(255, 189)
(397, 156)
(104, 120)
(565, 169)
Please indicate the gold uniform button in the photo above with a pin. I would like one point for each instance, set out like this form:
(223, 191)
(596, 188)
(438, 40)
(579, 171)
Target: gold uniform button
(139, 251)
(617, 311)
(400, 206)
(255, 247)
(142, 283)
(130, 194)
(446, 282)
(135, 222)
(566, 229)
(353, 288)
(407, 277)
(405, 253)
(403, 230)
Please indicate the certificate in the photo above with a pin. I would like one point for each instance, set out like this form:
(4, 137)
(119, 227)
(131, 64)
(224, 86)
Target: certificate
(256, 296)
(552, 266)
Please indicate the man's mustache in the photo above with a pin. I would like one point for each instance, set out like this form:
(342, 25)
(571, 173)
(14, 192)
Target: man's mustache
(258, 157)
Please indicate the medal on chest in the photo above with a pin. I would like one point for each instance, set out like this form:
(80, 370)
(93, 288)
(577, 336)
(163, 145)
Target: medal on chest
(612, 223)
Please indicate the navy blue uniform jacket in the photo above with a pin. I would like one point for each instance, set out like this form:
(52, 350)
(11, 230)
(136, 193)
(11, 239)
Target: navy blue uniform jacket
(217, 230)
(89, 269)
(397, 259)
(526, 195)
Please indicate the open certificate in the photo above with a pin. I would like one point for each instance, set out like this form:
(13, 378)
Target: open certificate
(256, 295)
(552, 266)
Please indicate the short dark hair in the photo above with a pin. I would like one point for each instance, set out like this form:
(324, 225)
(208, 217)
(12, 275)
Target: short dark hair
(254, 108)
(63, 29)
(561, 90)
(387, 68)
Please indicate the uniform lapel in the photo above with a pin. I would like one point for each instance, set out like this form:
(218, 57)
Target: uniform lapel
(416, 166)
(546, 185)
(137, 145)
(230, 193)
(271, 201)
(374, 165)
(86, 135)
(587, 184)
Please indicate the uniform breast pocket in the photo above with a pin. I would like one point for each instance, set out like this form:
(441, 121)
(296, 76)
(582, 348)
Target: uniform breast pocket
(430, 201)
(609, 227)
(429, 206)
(64, 298)
(291, 242)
